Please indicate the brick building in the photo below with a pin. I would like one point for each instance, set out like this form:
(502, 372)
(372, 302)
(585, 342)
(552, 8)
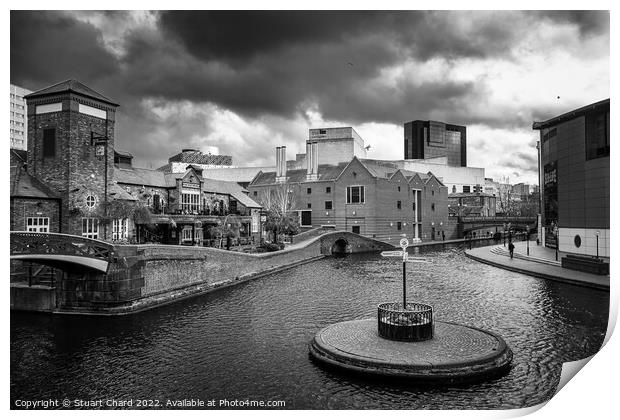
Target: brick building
(574, 178)
(34, 207)
(74, 182)
(377, 200)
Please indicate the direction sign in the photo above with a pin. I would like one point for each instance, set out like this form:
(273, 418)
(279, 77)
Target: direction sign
(392, 254)
(417, 260)
(404, 243)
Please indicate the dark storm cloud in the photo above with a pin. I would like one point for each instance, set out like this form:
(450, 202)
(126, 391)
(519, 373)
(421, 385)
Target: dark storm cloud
(236, 36)
(589, 22)
(48, 47)
(257, 63)
(244, 34)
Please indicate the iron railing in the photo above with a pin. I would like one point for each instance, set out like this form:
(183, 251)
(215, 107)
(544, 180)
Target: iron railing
(197, 210)
(25, 243)
(413, 323)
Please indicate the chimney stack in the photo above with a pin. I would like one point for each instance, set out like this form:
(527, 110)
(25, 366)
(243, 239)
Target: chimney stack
(312, 161)
(281, 164)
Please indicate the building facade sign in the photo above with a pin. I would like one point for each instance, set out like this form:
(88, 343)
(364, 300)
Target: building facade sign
(190, 185)
(551, 192)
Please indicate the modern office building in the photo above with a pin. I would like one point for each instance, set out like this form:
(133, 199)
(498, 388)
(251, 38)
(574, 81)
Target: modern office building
(18, 118)
(574, 178)
(432, 139)
(180, 161)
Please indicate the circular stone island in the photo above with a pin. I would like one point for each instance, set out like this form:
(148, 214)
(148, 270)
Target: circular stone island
(455, 353)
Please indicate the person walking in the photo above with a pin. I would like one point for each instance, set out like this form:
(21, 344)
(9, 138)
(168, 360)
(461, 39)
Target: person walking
(511, 248)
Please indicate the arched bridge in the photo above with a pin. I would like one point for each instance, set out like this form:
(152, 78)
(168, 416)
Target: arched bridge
(472, 223)
(56, 249)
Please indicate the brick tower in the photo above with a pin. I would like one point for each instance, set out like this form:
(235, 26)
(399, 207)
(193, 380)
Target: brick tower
(71, 150)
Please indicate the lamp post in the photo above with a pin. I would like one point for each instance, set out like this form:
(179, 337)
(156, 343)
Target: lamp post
(527, 232)
(101, 151)
(598, 232)
(557, 242)
(504, 234)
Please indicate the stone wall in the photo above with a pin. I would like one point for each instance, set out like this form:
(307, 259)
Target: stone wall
(168, 268)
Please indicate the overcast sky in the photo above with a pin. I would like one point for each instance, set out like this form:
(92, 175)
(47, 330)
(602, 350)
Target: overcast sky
(242, 83)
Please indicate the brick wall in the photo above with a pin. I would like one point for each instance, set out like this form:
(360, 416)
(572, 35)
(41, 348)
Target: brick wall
(21, 208)
(75, 172)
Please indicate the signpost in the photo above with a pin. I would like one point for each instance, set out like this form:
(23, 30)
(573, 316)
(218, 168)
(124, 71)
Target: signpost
(404, 243)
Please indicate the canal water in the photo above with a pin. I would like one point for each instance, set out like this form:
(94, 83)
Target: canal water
(250, 342)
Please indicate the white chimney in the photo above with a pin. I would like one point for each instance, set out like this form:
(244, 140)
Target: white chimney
(312, 161)
(281, 164)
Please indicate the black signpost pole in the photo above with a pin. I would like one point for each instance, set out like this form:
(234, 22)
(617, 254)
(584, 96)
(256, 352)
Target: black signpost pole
(404, 284)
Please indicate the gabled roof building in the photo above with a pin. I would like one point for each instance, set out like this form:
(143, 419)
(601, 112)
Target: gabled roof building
(374, 199)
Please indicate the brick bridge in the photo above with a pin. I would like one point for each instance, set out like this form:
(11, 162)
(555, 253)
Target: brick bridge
(472, 223)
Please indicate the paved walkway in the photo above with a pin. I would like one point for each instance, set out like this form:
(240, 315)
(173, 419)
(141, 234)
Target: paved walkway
(540, 262)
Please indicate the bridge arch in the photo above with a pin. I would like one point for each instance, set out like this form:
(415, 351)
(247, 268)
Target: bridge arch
(341, 247)
(57, 250)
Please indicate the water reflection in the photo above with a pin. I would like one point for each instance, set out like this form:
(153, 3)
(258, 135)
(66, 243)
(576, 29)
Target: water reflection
(251, 341)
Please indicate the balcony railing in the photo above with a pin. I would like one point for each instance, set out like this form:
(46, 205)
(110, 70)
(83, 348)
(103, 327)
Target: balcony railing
(185, 209)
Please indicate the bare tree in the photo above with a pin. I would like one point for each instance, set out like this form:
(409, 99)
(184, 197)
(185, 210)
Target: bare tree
(505, 203)
(279, 202)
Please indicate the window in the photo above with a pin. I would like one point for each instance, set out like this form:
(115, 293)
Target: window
(597, 135)
(433, 206)
(398, 205)
(432, 192)
(190, 201)
(186, 233)
(255, 193)
(328, 205)
(466, 189)
(90, 201)
(119, 229)
(305, 218)
(399, 225)
(328, 190)
(398, 188)
(355, 195)
(413, 206)
(309, 205)
(322, 131)
(309, 190)
(49, 142)
(90, 227)
(38, 224)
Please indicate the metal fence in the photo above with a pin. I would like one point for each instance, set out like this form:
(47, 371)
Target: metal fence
(413, 323)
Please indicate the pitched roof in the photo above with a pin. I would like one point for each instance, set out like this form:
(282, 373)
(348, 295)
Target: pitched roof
(20, 155)
(229, 187)
(119, 193)
(326, 173)
(24, 185)
(74, 86)
(139, 176)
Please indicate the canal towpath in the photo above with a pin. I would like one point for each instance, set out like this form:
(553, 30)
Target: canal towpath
(540, 262)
